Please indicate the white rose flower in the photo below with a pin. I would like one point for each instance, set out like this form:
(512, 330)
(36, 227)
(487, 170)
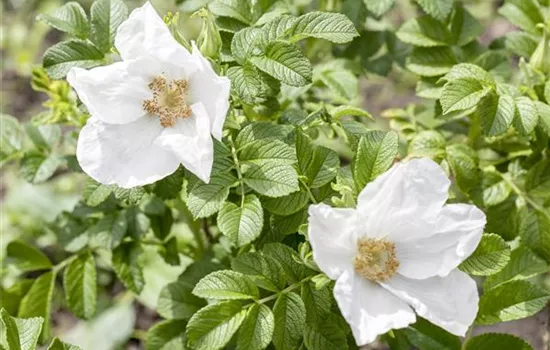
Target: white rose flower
(151, 112)
(398, 251)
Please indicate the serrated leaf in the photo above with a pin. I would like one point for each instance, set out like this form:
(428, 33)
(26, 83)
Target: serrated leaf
(375, 154)
(535, 232)
(177, 301)
(497, 114)
(69, 18)
(290, 319)
(426, 336)
(525, 14)
(37, 302)
(109, 230)
(491, 255)
(265, 271)
(80, 284)
(379, 7)
(127, 267)
(205, 200)
(271, 179)
(521, 43)
(491, 341)
(171, 186)
(334, 27)
(37, 168)
(246, 82)
(245, 43)
(428, 143)
(276, 29)
(262, 151)
(60, 58)
(241, 224)
(20, 334)
(59, 345)
(523, 264)
(431, 62)
(537, 181)
(464, 27)
(239, 10)
(287, 205)
(288, 259)
(167, 335)
(226, 285)
(11, 136)
(26, 257)
(511, 301)
(316, 163)
(261, 130)
(526, 117)
(96, 193)
(106, 17)
(285, 62)
(317, 302)
(325, 336)
(462, 94)
(347, 110)
(342, 82)
(424, 31)
(464, 165)
(257, 328)
(469, 71)
(495, 189)
(439, 9)
(212, 327)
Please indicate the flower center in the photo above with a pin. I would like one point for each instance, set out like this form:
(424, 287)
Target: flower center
(169, 100)
(376, 259)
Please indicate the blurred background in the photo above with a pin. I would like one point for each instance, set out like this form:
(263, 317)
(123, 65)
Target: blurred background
(26, 210)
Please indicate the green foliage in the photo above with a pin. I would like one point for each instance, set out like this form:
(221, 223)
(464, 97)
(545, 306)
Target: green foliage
(492, 254)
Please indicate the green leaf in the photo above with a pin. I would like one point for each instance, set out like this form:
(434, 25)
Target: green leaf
(95, 193)
(212, 327)
(245, 43)
(69, 18)
(523, 265)
(334, 27)
(325, 336)
(535, 232)
(37, 168)
(257, 328)
(511, 301)
(285, 62)
(26, 257)
(265, 271)
(547, 92)
(342, 82)
(375, 155)
(271, 179)
(470, 71)
(43, 136)
(491, 341)
(316, 163)
(428, 143)
(60, 58)
(246, 82)
(276, 29)
(497, 114)
(20, 334)
(317, 303)
(162, 224)
(424, 31)
(290, 319)
(521, 43)
(242, 224)
(109, 230)
(11, 136)
(171, 186)
(239, 10)
(491, 255)
(379, 7)
(426, 336)
(9, 335)
(464, 165)
(431, 62)
(59, 345)
(537, 181)
(127, 267)
(464, 27)
(287, 205)
(80, 284)
(504, 218)
(226, 284)
(107, 16)
(526, 115)
(495, 189)
(261, 130)
(167, 335)
(439, 9)
(38, 301)
(462, 94)
(525, 14)
(264, 151)
(205, 200)
(347, 110)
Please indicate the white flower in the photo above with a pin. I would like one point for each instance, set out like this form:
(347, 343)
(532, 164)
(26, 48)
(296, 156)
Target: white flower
(151, 112)
(398, 251)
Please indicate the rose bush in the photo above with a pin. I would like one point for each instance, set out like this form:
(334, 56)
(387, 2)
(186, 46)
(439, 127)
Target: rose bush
(229, 178)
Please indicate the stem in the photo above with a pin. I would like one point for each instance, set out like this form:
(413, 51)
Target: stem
(195, 228)
(61, 265)
(467, 337)
(238, 168)
(523, 195)
(309, 193)
(286, 290)
(474, 130)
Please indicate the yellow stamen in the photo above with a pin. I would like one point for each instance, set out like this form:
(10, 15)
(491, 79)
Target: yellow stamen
(169, 100)
(376, 260)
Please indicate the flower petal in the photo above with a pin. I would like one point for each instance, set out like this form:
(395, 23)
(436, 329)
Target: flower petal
(125, 155)
(458, 231)
(403, 203)
(369, 309)
(144, 33)
(449, 302)
(115, 93)
(212, 90)
(190, 141)
(333, 238)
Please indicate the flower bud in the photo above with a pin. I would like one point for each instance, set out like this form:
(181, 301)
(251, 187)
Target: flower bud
(209, 40)
(172, 21)
(540, 59)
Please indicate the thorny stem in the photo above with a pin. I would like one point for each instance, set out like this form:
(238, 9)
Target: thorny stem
(238, 168)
